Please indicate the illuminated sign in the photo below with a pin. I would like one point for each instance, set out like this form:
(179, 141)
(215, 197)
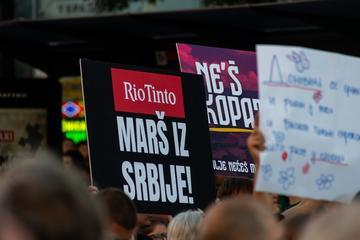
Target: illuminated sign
(76, 136)
(73, 122)
(73, 109)
(73, 125)
(74, 129)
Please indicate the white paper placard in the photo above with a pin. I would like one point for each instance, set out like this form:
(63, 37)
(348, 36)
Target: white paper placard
(310, 111)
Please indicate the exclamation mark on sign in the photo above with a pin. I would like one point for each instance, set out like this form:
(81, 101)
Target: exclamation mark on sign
(188, 174)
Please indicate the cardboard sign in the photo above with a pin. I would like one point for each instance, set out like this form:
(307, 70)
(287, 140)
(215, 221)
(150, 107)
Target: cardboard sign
(231, 82)
(309, 112)
(148, 135)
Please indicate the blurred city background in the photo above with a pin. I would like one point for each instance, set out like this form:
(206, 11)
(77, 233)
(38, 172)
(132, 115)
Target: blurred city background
(44, 39)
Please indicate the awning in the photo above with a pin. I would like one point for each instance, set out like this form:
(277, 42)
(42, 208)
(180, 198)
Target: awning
(56, 45)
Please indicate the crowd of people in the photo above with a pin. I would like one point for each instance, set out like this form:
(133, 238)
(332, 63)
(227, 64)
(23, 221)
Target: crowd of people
(44, 200)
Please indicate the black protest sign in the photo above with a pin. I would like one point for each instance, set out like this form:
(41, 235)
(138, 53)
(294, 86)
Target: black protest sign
(148, 135)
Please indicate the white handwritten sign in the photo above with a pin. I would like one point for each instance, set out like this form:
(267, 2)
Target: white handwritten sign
(310, 111)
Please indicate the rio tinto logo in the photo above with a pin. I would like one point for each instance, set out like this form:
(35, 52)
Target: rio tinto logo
(146, 93)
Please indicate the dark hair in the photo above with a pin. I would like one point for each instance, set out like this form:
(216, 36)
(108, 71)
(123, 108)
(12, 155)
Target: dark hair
(83, 142)
(77, 159)
(356, 198)
(233, 186)
(154, 221)
(50, 203)
(295, 225)
(120, 208)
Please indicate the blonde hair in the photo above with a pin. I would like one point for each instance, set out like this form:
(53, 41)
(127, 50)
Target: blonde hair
(237, 218)
(184, 226)
(344, 223)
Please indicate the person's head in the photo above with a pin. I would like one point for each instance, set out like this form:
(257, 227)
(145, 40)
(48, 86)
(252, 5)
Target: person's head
(121, 212)
(67, 145)
(294, 226)
(340, 224)
(72, 159)
(239, 219)
(39, 201)
(156, 229)
(185, 225)
(82, 147)
(232, 187)
(152, 226)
